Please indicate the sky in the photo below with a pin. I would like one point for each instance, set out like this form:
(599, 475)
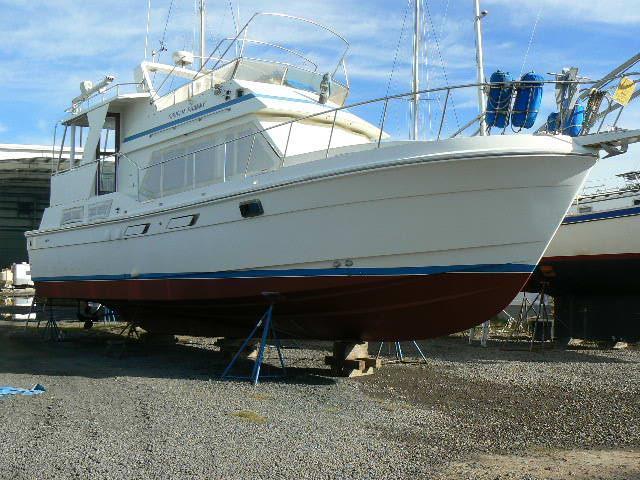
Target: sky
(48, 47)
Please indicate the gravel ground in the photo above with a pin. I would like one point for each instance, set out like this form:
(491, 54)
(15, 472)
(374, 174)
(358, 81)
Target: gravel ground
(160, 412)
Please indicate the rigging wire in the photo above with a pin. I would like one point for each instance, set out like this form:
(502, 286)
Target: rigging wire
(395, 57)
(236, 22)
(444, 18)
(233, 16)
(163, 47)
(442, 62)
(531, 38)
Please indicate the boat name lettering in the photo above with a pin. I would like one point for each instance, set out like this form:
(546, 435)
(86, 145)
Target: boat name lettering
(190, 109)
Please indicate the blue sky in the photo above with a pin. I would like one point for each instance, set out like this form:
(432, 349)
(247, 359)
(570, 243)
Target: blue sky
(47, 48)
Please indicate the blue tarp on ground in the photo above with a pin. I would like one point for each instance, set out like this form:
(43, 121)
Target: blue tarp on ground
(37, 390)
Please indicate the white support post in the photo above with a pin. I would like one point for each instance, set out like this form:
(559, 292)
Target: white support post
(479, 15)
(203, 32)
(72, 144)
(415, 128)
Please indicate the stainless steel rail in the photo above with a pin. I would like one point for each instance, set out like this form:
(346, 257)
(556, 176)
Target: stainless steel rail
(330, 116)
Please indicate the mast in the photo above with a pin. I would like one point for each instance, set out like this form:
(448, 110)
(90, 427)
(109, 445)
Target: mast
(416, 71)
(203, 32)
(482, 101)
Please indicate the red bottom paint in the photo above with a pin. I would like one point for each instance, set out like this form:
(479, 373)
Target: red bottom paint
(611, 274)
(322, 308)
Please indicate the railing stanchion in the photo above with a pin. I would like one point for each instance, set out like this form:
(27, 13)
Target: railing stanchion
(444, 112)
(384, 118)
(193, 171)
(333, 126)
(253, 144)
(286, 147)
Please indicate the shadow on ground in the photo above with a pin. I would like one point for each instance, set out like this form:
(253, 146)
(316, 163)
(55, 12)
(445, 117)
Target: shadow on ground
(102, 353)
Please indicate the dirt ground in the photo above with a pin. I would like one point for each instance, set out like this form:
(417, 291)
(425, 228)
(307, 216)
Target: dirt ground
(160, 411)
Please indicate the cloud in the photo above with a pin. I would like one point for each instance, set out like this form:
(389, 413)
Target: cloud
(611, 12)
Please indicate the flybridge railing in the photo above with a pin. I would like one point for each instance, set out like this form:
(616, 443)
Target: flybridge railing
(103, 95)
(267, 149)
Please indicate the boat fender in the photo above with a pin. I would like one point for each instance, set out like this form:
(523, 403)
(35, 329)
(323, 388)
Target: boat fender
(574, 122)
(499, 99)
(528, 100)
(552, 122)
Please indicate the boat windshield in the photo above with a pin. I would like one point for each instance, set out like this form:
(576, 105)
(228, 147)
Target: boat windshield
(275, 73)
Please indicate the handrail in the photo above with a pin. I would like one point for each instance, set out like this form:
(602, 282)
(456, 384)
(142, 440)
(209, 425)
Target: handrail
(244, 29)
(101, 93)
(335, 111)
(330, 116)
(274, 45)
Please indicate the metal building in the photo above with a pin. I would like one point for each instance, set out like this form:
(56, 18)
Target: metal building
(25, 173)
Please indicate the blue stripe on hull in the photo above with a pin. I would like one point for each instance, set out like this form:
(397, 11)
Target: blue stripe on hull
(328, 272)
(625, 212)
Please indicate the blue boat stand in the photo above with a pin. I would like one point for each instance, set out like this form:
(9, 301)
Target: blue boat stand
(399, 353)
(268, 332)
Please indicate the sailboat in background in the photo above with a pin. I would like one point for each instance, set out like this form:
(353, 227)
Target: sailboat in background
(253, 183)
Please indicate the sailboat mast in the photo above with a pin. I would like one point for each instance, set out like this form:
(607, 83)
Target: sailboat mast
(203, 31)
(479, 15)
(416, 71)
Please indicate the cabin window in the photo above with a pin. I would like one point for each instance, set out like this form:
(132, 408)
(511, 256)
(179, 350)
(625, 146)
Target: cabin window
(636, 202)
(237, 153)
(174, 171)
(209, 163)
(206, 161)
(263, 158)
(585, 209)
(108, 147)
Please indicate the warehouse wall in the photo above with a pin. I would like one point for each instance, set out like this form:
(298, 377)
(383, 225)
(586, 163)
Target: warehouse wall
(21, 209)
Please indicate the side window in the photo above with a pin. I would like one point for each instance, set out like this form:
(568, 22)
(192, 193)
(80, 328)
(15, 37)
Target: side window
(108, 147)
(150, 184)
(237, 153)
(585, 209)
(174, 171)
(263, 158)
(209, 162)
(206, 161)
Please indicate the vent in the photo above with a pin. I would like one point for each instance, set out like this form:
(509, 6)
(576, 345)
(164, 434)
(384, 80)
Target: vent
(251, 209)
(182, 222)
(72, 215)
(136, 230)
(99, 210)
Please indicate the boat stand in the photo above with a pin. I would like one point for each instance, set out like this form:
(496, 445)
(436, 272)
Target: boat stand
(268, 333)
(51, 331)
(399, 354)
(544, 318)
(486, 330)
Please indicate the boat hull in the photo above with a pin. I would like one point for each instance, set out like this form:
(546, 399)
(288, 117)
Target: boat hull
(330, 307)
(593, 257)
(358, 246)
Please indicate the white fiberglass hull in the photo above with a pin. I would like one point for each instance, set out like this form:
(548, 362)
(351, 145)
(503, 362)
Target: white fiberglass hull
(380, 244)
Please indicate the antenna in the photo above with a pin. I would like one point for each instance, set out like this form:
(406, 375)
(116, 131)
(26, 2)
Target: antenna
(146, 38)
(416, 71)
(482, 101)
(203, 32)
